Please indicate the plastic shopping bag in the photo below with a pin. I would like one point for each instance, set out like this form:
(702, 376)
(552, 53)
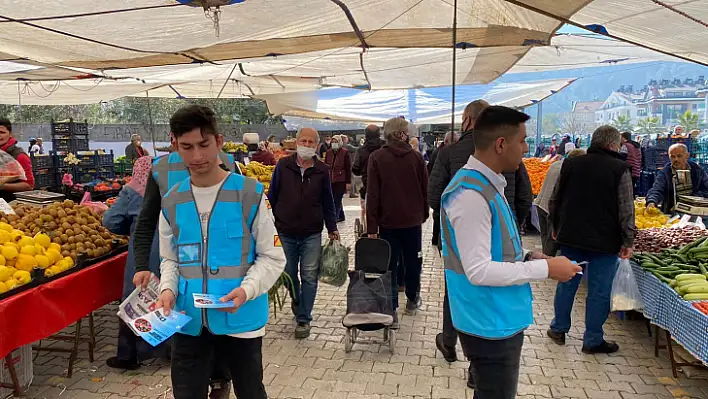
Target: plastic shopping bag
(334, 263)
(625, 292)
(98, 207)
(10, 167)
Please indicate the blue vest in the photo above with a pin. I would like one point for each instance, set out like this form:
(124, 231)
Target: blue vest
(483, 311)
(215, 265)
(169, 169)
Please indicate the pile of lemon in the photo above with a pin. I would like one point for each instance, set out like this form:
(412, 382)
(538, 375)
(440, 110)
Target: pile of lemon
(646, 218)
(19, 254)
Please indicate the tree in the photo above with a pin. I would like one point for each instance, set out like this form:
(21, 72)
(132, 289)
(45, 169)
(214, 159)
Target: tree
(570, 123)
(549, 125)
(689, 120)
(623, 123)
(650, 125)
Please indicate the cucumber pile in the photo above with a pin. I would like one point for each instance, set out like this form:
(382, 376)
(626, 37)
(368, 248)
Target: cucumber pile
(684, 269)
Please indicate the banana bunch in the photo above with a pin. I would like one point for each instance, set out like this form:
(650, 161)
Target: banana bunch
(258, 171)
(234, 147)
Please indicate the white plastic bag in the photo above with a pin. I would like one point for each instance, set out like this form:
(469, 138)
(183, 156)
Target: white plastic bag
(625, 292)
(9, 167)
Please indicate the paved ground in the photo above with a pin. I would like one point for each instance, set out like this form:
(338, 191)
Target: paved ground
(319, 368)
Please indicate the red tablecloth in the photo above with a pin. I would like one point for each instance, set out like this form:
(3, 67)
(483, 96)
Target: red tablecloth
(42, 311)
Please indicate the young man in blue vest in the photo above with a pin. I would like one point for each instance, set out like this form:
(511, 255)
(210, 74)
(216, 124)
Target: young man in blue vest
(216, 237)
(487, 272)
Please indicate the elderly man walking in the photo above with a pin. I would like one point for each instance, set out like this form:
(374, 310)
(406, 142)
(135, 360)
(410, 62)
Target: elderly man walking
(487, 272)
(301, 197)
(592, 215)
(397, 206)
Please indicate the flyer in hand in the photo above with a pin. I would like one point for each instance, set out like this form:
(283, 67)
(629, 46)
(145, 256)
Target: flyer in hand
(209, 301)
(155, 327)
(139, 313)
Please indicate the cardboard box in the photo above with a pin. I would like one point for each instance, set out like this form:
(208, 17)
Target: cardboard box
(22, 360)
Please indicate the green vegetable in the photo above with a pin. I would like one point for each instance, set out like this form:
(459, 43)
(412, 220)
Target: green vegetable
(696, 243)
(662, 278)
(685, 266)
(650, 265)
(690, 276)
(696, 296)
(673, 284)
(696, 289)
(683, 289)
(702, 268)
(668, 269)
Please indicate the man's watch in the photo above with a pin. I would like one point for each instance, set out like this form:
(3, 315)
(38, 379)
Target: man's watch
(527, 257)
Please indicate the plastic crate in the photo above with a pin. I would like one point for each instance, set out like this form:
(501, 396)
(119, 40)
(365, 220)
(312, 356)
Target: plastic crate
(70, 144)
(105, 159)
(123, 168)
(69, 128)
(646, 181)
(45, 178)
(665, 142)
(82, 177)
(41, 161)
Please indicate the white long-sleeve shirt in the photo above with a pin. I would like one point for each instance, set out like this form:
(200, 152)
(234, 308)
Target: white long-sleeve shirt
(268, 265)
(471, 218)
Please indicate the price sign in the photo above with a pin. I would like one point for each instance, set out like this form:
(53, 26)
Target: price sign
(6, 208)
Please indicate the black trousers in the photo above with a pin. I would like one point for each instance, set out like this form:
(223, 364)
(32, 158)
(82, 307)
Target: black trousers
(407, 243)
(194, 358)
(494, 365)
(449, 332)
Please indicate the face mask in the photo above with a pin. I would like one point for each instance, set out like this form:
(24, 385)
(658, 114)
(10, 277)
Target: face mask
(306, 153)
(336, 146)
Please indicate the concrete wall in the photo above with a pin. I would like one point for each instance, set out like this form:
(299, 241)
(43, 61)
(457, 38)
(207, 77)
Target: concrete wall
(122, 133)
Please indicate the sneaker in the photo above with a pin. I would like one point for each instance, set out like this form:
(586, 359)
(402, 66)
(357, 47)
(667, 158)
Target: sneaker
(302, 330)
(220, 390)
(448, 352)
(557, 337)
(394, 325)
(353, 196)
(123, 364)
(604, 347)
(413, 306)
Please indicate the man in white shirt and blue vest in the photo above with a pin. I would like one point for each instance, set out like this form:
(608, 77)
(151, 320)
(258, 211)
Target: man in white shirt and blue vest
(487, 271)
(216, 237)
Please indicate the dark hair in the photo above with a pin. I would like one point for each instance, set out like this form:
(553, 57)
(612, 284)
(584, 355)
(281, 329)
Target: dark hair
(496, 121)
(627, 136)
(6, 122)
(193, 117)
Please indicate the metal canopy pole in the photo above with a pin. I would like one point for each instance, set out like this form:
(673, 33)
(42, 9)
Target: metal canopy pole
(152, 128)
(454, 63)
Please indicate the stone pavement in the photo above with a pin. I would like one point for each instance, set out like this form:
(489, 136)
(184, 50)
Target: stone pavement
(318, 368)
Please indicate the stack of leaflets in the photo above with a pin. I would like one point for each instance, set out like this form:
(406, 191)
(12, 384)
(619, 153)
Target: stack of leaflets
(139, 313)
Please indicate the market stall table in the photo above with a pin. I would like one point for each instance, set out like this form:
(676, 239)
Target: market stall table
(667, 310)
(44, 310)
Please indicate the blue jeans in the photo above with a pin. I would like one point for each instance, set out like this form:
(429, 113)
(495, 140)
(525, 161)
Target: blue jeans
(305, 253)
(600, 271)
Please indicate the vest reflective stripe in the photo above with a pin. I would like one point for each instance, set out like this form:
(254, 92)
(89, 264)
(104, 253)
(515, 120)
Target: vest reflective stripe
(169, 169)
(212, 265)
(488, 312)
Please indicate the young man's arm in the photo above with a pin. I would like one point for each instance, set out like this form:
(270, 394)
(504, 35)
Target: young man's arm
(146, 225)
(469, 213)
(169, 266)
(270, 260)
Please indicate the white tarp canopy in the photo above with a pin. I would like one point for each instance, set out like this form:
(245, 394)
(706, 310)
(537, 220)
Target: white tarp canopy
(422, 106)
(138, 33)
(388, 69)
(678, 27)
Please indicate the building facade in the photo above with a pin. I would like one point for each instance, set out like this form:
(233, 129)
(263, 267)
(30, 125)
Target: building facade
(665, 99)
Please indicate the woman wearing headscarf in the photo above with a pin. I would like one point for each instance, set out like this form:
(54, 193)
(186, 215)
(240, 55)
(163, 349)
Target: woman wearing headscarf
(135, 150)
(120, 219)
(340, 167)
(263, 155)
